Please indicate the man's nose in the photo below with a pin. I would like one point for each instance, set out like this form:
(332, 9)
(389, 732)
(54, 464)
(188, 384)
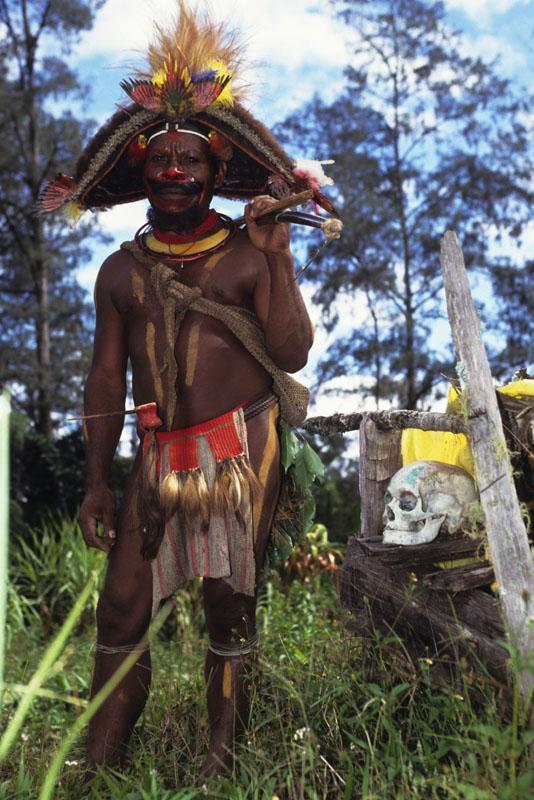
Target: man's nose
(172, 173)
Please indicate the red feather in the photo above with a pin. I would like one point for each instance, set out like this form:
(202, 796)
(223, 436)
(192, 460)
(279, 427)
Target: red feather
(56, 193)
(145, 94)
(205, 92)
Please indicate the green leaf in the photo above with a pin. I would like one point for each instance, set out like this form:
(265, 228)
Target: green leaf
(283, 545)
(303, 478)
(307, 513)
(290, 447)
(314, 464)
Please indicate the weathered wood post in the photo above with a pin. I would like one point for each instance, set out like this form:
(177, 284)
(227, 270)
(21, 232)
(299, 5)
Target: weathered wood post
(380, 458)
(512, 561)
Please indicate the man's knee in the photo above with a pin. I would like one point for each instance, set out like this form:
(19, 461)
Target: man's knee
(122, 615)
(229, 616)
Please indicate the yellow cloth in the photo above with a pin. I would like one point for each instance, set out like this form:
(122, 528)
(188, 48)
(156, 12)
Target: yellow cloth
(451, 448)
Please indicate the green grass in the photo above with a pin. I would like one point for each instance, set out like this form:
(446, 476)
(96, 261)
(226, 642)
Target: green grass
(323, 726)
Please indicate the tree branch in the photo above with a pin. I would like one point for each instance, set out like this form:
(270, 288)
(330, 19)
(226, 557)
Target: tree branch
(386, 420)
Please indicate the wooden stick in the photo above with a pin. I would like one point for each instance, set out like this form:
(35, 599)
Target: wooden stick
(281, 205)
(108, 413)
(512, 560)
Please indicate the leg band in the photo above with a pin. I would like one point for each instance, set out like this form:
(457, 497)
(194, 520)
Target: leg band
(241, 649)
(127, 648)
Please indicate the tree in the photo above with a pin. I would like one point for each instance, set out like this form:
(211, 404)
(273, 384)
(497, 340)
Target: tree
(425, 138)
(43, 325)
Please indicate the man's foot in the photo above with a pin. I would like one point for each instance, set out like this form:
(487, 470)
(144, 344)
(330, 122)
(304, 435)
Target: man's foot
(219, 761)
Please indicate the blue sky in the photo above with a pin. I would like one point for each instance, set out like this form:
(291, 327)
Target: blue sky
(297, 47)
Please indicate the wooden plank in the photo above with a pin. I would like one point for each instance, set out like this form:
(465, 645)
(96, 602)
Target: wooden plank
(512, 560)
(460, 579)
(441, 549)
(468, 623)
(380, 458)
(386, 420)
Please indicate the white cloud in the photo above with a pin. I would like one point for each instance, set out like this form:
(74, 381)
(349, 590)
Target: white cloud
(483, 10)
(277, 32)
(123, 220)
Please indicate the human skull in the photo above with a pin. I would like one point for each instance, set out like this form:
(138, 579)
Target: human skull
(424, 498)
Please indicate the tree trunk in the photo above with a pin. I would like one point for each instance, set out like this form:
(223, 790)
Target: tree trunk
(43, 421)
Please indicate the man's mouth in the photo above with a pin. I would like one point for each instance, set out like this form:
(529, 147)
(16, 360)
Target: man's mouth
(176, 188)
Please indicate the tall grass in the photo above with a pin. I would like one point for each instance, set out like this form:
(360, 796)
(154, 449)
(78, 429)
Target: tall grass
(322, 726)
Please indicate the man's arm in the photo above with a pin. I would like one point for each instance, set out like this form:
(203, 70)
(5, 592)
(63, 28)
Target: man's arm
(105, 390)
(278, 301)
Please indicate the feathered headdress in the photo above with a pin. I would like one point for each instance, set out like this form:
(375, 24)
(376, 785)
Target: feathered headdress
(193, 74)
(192, 67)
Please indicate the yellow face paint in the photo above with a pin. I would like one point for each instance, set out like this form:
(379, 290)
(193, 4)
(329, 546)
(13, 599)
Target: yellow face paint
(151, 354)
(138, 286)
(227, 681)
(269, 453)
(192, 353)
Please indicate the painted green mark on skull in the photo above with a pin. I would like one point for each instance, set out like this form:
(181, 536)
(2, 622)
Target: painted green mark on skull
(413, 476)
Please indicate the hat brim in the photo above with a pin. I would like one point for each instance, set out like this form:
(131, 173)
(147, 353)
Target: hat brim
(105, 175)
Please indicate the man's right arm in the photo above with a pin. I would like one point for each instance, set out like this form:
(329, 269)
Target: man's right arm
(105, 391)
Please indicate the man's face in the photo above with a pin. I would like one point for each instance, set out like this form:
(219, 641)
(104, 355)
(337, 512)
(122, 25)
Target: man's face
(180, 175)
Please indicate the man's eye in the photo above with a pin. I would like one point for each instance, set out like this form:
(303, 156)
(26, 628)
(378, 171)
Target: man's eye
(192, 160)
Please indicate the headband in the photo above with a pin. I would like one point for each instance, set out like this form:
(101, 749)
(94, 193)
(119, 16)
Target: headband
(169, 129)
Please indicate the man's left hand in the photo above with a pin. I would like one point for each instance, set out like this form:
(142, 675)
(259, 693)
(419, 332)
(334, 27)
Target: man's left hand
(268, 238)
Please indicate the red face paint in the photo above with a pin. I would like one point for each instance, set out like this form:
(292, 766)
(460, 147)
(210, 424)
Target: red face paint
(179, 173)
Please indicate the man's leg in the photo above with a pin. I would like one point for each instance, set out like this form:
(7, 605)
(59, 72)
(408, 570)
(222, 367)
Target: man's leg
(231, 617)
(123, 616)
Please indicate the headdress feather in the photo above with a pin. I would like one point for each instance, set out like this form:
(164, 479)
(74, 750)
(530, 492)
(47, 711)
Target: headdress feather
(190, 67)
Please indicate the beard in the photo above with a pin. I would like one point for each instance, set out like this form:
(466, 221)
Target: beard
(181, 222)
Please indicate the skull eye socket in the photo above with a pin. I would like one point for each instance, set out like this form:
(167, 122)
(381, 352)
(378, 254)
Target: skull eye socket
(407, 501)
(387, 497)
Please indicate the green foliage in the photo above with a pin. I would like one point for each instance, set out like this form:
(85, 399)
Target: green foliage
(328, 719)
(49, 567)
(425, 138)
(48, 476)
(316, 554)
(337, 496)
(303, 467)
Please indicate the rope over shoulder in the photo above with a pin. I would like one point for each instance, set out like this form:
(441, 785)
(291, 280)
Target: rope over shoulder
(176, 299)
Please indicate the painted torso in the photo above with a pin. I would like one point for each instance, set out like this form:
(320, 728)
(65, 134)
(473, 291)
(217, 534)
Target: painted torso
(215, 371)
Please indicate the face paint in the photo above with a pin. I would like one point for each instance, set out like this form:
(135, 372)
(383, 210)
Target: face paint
(179, 173)
(270, 454)
(192, 353)
(227, 680)
(151, 354)
(138, 287)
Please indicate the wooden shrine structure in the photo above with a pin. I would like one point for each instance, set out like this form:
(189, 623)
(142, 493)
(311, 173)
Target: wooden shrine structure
(438, 608)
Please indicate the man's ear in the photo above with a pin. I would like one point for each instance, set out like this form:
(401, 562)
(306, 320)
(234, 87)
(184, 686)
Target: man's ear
(220, 174)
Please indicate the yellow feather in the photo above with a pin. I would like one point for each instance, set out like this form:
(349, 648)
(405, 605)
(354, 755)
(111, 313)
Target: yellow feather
(73, 211)
(193, 43)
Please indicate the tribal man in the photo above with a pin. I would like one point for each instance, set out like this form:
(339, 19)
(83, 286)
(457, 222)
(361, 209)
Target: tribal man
(211, 319)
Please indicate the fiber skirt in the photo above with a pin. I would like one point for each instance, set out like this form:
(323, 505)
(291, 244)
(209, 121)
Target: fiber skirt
(208, 490)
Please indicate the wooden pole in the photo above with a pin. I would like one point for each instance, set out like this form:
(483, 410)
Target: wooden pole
(512, 561)
(380, 458)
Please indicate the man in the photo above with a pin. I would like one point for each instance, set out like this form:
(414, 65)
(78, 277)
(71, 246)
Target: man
(211, 319)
